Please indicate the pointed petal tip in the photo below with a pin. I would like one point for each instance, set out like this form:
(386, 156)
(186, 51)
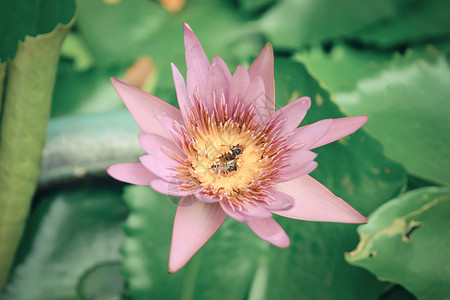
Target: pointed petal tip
(186, 26)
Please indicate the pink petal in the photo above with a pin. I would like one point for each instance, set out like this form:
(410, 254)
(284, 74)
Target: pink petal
(197, 63)
(256, 210)
(190, 40)
(307, 136)
(340, 128)
(279, 201)
(161, 166)
(314, 202)
(293, 114)
(171, 188)
(239, 84)
(134, 173)
(234, 213)
(263, 67)
(269, 230)
(300, 163)
(160, 146)
(160, 160)
(219, 61)
(180, 87)
(205, 198)
(255, 96)
(195, 222)
(142, 106)
(217, 83)
(197, 71)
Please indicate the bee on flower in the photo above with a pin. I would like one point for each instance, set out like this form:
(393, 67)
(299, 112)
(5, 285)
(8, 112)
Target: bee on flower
(228, 152)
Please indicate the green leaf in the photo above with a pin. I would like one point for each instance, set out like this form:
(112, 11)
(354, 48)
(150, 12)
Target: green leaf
(71, 237)
(2, 82)
(406, 240)
(293, 24)
(85, 91)
(422, 21)
(118, 34)
(97, 141)
(341, 68)
(26, 107)
(19, 19)
(313, 267)
(407, 101)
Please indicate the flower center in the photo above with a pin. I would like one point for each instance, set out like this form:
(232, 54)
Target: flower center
(230, 158)
(228, 161)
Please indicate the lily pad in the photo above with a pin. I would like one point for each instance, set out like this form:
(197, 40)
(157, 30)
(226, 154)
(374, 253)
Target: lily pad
(407, 102)
(420, 21)
(342, 67)
(69, 235)
(406, 241)
(293, 24)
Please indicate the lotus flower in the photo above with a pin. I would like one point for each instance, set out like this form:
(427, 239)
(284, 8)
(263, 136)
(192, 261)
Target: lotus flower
(228, 152)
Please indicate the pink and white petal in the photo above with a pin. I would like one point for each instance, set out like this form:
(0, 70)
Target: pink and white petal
(292, 114)
(234, 213)
(298, 172)
(160, 146)
(269, 230)
(307, 136)
(181, 89)
(299, 162)
(134, 173)
(204, 198)
(263, 67)
(197, 71)
(255, 210)
(190, 39)
(142, 106)
(162, 166)
(255, 97)
(279, 201)
(171, 188)
(314, 202)
(217, 83)
(193, 226)
(340, 128)
(240, 81)
(219, 61)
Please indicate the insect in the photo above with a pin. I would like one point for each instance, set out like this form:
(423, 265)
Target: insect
(236, 150)
(227, 162)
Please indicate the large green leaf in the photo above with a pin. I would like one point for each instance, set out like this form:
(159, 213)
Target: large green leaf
(121, 32)
(420, 21)
(72, 238)
(2, 82)
(30, 18)
(407, 102)
(342, 67)
(407, 241)
(293, 23)
(85, 91)
(313, 267)
(26, 107)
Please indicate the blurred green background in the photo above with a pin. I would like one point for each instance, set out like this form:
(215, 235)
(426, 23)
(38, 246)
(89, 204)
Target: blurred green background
(87, 236)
